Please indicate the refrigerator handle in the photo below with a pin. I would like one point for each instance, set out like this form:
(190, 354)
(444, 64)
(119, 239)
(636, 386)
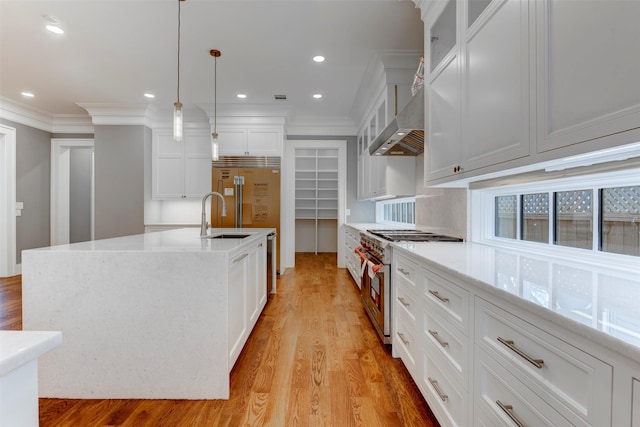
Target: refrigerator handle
(238, 182)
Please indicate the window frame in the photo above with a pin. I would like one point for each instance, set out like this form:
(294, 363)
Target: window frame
(380, 216)
(483, 215)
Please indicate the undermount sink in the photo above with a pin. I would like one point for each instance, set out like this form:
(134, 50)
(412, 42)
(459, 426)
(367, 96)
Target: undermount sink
(229, 236)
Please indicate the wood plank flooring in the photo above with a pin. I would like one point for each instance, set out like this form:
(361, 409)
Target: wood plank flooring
(313, 359)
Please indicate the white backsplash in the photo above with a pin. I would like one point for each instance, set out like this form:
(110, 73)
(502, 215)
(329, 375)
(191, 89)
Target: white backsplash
(442, 209)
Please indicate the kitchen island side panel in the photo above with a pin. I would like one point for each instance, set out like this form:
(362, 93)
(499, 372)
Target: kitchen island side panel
(148, 324)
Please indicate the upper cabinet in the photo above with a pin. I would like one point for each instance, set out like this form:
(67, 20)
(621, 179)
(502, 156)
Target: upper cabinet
(385, 176)
(525, 82)
(250, 141)
(588, 69)
(181, 170)
(478, 90)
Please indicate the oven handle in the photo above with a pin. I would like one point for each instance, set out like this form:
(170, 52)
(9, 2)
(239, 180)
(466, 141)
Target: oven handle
(361, 251)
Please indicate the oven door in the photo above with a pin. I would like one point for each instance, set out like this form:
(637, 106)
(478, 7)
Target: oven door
(375, 296)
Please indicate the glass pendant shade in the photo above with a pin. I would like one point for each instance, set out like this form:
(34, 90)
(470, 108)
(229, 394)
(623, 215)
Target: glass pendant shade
(214, 146)
(177, 122)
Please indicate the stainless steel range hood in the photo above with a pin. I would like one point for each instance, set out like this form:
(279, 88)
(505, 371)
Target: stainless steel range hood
(404, 136)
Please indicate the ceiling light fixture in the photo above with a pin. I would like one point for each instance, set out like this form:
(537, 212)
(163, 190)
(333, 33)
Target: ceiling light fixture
(318, 58)
(214, 135)
(241, 95)
(317, 95)
(149, 95)
(27, 94)
(177, 106)
(54, 28)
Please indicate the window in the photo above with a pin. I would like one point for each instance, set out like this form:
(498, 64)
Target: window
(599, 213)
(396, 211)
(620, 231)
(535, 217)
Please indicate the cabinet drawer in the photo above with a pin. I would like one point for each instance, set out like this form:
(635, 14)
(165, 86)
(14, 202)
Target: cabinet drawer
(449, 298)
(405, 299)
(404, 341)
(504, 399)
(407, 271)
(441, 337)
(446, 398)
(563, 375)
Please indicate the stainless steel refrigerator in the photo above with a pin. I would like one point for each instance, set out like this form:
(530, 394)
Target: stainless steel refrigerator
(251, 189)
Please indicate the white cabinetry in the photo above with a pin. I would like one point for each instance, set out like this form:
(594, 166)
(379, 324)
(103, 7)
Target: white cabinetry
(587, 78)
(478, 95)
(181, 170)
(481, 360)
(253, 141)
(384, 176)
(247, 295)
(352, 259)
(516, 83)
(570, 380)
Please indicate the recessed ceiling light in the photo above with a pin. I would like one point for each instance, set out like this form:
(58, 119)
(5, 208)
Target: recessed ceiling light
(27, 94)
(400, 133)
(317, 95)
(318, 58)
(54, 28)
(384, 148)
(149, 95)
(242, 95)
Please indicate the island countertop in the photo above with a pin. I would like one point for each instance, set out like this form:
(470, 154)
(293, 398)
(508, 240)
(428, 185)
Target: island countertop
(180, 240)
(161, 315)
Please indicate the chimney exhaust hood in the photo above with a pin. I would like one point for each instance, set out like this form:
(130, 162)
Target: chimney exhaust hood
(404, 136)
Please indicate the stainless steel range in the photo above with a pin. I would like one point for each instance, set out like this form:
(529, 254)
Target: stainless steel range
(375, 252)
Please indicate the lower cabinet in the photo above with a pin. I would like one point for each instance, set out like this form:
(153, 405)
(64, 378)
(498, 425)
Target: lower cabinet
(247, 295)
(480, 360)
(352, 260)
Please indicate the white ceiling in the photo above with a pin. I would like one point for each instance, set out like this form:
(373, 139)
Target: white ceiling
(115, 50)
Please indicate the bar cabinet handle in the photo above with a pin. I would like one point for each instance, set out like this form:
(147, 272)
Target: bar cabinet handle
(403, 302)
(240, 258)
(403, 271)
(401, 336)
(435, 385)
(508, 409)
(435, 335)
(437, 295)
(511, 345)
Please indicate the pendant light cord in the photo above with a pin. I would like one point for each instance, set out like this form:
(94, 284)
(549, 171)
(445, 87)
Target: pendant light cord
(179, 2)
(215, 94)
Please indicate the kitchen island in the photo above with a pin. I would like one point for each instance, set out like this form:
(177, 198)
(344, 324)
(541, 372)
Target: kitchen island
(160, 315)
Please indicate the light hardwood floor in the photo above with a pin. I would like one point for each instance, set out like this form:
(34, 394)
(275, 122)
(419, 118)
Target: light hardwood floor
(313, 359)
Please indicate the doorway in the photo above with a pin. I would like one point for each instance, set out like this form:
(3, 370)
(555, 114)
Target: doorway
(315, 185)
(8, 201)
(72, 190)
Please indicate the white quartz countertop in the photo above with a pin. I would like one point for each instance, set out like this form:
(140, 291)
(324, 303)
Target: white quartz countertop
(181, 240)
(599, 303)
(20, 347)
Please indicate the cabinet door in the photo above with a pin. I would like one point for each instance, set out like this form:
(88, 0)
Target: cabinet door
(496, 86)
(197, 164)
(442, 145)
(237, 306)
(168, 167)
(232, 142)
(264, 142)
(588, 68)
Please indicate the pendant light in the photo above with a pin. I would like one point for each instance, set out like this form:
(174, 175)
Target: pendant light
(214, 135)
(177, 106)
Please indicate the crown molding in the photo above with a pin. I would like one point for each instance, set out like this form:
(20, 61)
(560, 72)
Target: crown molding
(119, 114)
(25, 115)
(72, 123)
(338, 127)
